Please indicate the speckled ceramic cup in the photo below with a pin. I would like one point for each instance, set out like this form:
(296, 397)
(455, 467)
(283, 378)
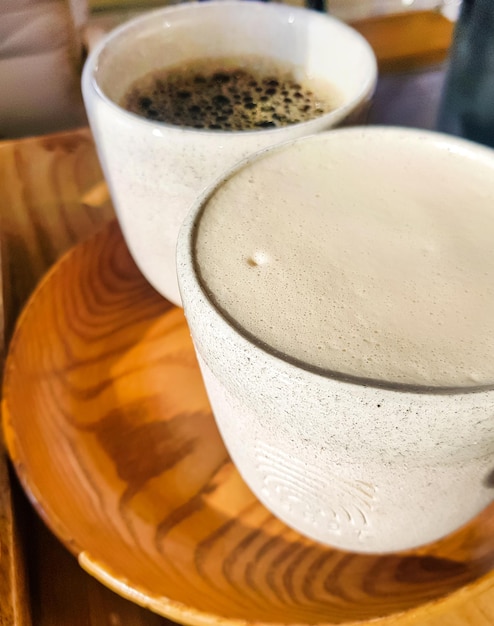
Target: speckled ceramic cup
(155, 171)
(365, 464)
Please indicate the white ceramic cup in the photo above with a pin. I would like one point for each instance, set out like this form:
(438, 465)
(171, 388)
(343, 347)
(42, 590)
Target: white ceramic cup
(363, 464)
(155, 171)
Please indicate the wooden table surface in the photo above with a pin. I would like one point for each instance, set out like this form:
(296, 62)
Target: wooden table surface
(46, 206)
(43, 183)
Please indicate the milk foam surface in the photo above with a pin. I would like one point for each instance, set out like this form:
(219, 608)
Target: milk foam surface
(361, 256)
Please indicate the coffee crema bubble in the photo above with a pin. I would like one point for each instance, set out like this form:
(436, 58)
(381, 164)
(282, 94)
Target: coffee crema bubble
(251, 93)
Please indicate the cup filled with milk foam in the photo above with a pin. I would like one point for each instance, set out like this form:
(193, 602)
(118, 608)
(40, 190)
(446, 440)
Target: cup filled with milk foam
(339, 290)
(179, 95)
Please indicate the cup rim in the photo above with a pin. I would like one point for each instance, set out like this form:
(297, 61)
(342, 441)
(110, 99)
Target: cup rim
(188, 235)
(333, 117)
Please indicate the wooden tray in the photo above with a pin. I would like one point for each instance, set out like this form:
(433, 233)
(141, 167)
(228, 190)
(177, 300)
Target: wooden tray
(110, 431)
(47, 204)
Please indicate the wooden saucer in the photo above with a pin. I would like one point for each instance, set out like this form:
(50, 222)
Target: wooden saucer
(110, 431)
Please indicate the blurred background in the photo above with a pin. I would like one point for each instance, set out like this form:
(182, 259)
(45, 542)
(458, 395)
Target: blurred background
(43, 44)
(344, 9)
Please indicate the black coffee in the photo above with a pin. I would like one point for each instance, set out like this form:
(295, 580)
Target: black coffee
(223, 95)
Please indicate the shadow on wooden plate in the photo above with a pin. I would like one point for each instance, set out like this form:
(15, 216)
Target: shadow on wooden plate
(110, 431)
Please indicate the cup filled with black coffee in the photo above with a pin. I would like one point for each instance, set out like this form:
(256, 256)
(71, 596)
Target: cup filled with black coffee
(178, 96)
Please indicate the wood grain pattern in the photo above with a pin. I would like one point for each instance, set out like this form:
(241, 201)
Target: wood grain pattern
(42, 184)
(14, 598)
(44, 210)
(110, 431)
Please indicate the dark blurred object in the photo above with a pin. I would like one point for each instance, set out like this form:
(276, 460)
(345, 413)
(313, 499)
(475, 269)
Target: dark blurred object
(467, 103)
(317, 5)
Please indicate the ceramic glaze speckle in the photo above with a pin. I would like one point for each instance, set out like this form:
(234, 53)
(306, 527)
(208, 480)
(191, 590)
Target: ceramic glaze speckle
(365, 467)
(155, 171)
